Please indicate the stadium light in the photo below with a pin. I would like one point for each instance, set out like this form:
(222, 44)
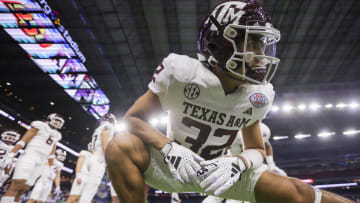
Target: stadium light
(314, 106)
(326, 134)
(275, 109)
(336, 185)
(302, 136)
(71, 151)
(287, 108)
(341, 105)
(309, 180)
(329, 106)
(302, 107)
(351, 132)
(280, 137)
(154, 122)
(353, 105)
(121, 126)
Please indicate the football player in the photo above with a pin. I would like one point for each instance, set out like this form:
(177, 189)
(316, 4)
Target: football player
(49, 175)
(82, 175)
(7, 142)
(208, 101)
(41, 141)
(238, 147)
(97, 165)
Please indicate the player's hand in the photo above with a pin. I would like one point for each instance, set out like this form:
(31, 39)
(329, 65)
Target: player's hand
(6, 162)
(218, 175)
(182, 162)
(57, 190)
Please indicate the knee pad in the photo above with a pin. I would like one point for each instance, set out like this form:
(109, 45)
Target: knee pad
(318, 194)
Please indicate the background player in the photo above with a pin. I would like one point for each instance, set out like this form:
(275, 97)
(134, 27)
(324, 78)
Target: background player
(82, 175)
(41, 141)
(7, 142)
(97, 165)
(49, 175)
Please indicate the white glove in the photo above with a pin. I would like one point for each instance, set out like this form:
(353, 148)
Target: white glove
(6, 162)
(57, 191)
(220, 174)
(182, 162)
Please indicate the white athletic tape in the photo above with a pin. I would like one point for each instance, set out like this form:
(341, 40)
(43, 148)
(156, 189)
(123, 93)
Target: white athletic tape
(318, 194)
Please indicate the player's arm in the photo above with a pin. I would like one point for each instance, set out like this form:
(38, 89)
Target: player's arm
(52, 156)
(24, 140)
(57, 179)
(79, 164)
(268, 149)
(253, 140)
(137, 116)
(105, 134)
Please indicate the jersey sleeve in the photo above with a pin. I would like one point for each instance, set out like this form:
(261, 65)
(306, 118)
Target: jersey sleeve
(38, 125)
(162, 75)
(268, 95)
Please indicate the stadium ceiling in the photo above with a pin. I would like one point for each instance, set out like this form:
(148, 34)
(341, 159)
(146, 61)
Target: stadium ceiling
(124, 40)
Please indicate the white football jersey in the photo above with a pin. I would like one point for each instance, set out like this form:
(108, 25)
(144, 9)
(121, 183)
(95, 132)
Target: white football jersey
(44, 139)
(237, 147)
(4, 149)
(201, 116)
(96, 138)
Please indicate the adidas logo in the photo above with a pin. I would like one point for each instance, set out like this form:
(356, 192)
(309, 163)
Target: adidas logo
(174, 160)
(248, 111)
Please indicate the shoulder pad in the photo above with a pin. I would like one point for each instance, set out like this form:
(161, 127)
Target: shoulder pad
(38, 125)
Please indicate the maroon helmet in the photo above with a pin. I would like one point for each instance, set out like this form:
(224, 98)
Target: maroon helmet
(234, 22)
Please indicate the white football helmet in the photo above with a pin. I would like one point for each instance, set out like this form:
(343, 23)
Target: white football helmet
(60, 155)
(10, 136)
(55, 120)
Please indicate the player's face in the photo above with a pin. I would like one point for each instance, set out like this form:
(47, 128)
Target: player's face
(256, 45)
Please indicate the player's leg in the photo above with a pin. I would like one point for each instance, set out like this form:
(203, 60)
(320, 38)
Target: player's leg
(20, 192)
(16, 186)
(127, 158)
(93, 181)
(273, 188)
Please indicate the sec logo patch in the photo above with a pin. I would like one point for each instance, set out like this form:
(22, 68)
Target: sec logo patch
(258, 100)
(191, 91)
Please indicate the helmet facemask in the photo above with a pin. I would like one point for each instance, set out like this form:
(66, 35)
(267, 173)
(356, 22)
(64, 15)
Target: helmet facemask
(237, 22)
(260, 74)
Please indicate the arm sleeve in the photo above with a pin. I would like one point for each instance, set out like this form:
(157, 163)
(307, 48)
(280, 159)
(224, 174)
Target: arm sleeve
(162, 76)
